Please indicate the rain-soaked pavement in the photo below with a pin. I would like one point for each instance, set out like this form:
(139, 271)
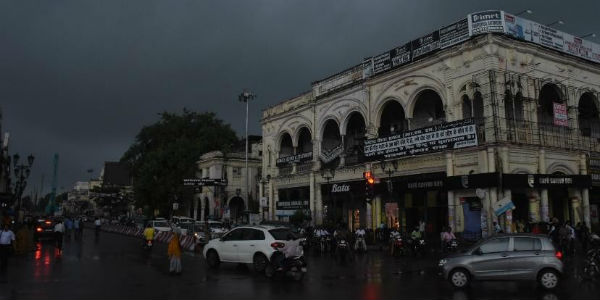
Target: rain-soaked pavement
(113, 266)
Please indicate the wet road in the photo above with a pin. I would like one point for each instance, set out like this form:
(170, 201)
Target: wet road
(113, 266)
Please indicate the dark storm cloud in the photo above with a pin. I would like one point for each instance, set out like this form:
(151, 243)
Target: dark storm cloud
(82, 77)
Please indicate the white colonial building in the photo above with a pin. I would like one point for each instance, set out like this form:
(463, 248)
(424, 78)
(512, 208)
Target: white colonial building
(459, 126)
(231, 194)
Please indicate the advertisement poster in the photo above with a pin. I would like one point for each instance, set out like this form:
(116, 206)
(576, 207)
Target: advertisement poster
(486, 22)
(577, 46)
(454, 34)
(560, 114)
(519, 28)
(426, 44)
(401, 55)
(382, 62)
(452, 135)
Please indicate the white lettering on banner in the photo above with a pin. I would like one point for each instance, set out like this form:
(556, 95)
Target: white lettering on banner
(552, 180)
(425, 184)
(340, 188)
(560, 114)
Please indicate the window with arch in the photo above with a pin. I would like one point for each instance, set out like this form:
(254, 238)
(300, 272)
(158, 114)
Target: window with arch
(467, 108)
(589, 120)
(354, 138)
(428, 110)
(305, 143)
(286, 147)
(393, 118)
(550, 95)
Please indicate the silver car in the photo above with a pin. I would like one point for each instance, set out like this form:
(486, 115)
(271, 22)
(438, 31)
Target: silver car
(506, 257)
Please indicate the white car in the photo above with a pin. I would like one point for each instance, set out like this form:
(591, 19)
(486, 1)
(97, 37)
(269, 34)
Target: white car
(160, 225)
(252, 245)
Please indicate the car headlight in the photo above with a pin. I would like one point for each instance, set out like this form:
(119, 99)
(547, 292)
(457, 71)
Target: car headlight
(442, 262)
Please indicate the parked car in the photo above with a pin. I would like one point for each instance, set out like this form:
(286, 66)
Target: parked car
(44, 229)
(217, 230)
(252, 245)
(160, 224)
(506, 257)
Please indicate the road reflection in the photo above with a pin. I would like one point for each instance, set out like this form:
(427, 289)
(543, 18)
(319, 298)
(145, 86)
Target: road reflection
(43, 256)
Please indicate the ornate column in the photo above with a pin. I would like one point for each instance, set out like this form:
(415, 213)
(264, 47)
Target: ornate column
(544, 192)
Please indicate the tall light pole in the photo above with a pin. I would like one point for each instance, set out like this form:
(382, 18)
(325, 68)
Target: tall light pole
(246, 96)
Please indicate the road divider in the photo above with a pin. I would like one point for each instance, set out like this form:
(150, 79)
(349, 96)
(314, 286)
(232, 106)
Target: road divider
(187, 242)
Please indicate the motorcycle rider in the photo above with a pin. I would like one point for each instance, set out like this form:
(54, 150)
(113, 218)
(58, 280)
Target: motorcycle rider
(148, 234)
(394, 234)
(447, 237)
(360, 239)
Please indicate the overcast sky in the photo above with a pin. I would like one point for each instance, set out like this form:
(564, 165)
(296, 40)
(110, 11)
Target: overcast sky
(80, 78)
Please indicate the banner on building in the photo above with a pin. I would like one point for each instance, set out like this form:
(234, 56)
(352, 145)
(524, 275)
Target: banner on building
(401, 55)
(486, 22)
(594, 168)
(503, 205)
(560, 114)
(328, 156)
(451, 135)
(425, 44)
(382, 62)
(298, 158)
(454, 34)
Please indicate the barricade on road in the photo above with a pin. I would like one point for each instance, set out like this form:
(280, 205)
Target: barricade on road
(188, 242)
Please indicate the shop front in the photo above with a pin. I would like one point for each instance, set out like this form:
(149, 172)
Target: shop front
(292, 200)
(345, 204)
(411, 199)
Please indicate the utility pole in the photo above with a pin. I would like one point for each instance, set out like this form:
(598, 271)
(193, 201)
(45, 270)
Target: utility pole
(246, 96)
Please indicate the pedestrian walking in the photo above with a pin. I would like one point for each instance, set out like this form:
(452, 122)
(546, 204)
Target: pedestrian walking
(59, 230)
(68, 228)
(76, 228)
(7, 242)
(174, 253)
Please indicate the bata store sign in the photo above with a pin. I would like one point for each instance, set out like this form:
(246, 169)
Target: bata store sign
(452, 135)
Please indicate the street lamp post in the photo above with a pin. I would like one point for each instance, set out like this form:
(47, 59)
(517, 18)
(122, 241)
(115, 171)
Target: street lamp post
(22, 172)
(559, 22)
(246, 96)
(328, 174)
(389, 171)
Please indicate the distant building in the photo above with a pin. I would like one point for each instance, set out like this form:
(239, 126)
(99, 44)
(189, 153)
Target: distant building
(230, 201)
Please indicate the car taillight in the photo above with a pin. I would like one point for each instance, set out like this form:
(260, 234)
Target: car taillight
(558, 254)
(48, 222)
(277, 245)
(39, 229)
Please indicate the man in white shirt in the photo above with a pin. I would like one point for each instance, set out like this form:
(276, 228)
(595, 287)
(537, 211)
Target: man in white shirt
(59, 230)
(360, 239)
(7, 239)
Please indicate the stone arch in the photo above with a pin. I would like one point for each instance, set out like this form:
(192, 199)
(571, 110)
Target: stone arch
(520, 171)
(560, 167)
(304, 140)
(588, 117)
(236, 208)
(349, 114)
(294, 123)
(549, 93)
(330, 134)
(386, 114)
(354, 133)
(298, 130)
(285, 144)
(426, 108)
(324, 122)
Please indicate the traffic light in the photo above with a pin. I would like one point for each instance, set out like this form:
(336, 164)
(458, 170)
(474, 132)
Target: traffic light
(369, 185)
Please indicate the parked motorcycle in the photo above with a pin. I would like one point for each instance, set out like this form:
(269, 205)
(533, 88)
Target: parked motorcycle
(294, 267)
(359, 244)
(342, 249)
(418, 247)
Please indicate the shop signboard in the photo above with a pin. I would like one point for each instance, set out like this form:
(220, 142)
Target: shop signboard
(594, 168)
(502, 206)
(486, 22)
(454, 34)
(292, 204)
(451, 135)
(298, 158)
(560, 114)
(425, 44)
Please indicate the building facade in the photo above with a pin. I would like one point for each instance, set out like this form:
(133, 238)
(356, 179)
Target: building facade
(233, 191)
(469, 125)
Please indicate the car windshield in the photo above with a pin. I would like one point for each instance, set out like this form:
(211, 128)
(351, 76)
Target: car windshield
(161, 224)
(282, 234)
